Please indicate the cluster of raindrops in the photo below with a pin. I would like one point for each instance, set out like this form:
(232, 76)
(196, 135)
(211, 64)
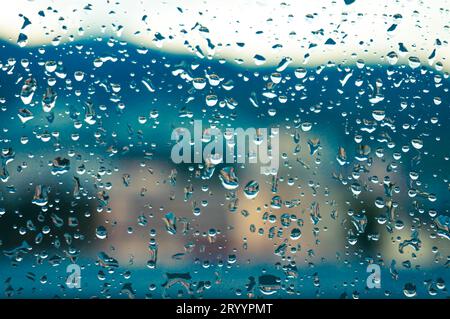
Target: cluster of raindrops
(88, 178)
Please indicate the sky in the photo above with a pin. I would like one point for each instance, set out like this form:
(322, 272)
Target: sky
(305, 32)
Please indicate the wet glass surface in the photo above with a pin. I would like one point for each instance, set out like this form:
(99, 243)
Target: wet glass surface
(182, 151)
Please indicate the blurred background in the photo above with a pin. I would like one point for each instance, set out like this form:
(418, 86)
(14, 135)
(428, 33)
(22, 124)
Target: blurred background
(91, 92)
